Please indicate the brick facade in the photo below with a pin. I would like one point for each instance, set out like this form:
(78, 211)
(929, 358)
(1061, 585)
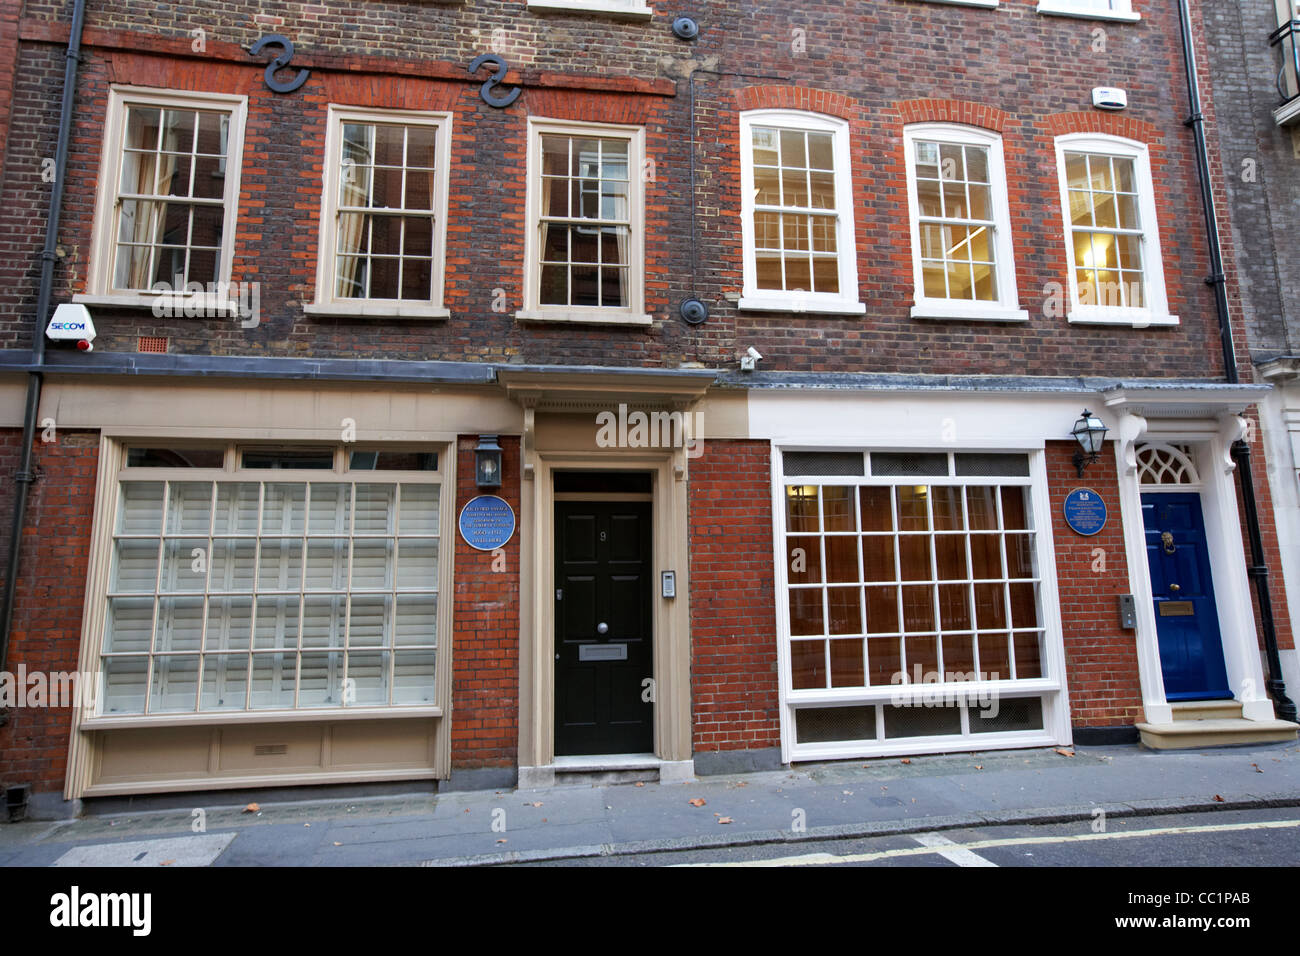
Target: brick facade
(46, 631)
(485, 632)
(1100, 658)
(733, 615)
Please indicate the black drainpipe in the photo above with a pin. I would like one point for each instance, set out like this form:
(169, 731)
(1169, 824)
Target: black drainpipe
(1285, 708)
(24, 478)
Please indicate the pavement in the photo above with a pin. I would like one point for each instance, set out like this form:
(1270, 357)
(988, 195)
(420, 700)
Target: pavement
(806, 804)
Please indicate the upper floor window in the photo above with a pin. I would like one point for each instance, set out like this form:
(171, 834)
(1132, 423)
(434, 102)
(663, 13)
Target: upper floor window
(383, 214)
(800, 253)
(1112, 244)
(169, 188)
(1091, 9)
(585, 244)
(961, 229)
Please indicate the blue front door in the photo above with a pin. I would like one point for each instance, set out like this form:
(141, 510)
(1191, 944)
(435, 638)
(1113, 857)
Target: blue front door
(1187, 621)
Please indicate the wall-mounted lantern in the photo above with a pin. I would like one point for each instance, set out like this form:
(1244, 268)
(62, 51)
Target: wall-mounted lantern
(1090, 432)
(487, 462)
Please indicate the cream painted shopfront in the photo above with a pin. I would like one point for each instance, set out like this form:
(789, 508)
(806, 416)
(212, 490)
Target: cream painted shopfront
(277, 592)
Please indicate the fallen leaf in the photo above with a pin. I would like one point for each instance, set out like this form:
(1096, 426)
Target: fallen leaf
(502, 840)
(543, 819)
(724, 819)
(979, 766)
(338, 844)
(697, 802)
(252, 808)
(847, 793)
(914, 799)
(1256, 766)
(906, 760)
(1064, 753)
(640, 783)
(307, 824)
(537, 803)
(1218, 799)
(467, 809)
(166, 862)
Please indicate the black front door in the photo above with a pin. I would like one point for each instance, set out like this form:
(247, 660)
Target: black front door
(603, 660)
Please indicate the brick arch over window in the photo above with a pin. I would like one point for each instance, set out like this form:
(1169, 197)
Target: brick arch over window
(798, 98)
(1108, 124)
(180, 76)
(953, 111)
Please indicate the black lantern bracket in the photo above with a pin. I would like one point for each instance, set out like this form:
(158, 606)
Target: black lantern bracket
(1090, 432)
(487, 462)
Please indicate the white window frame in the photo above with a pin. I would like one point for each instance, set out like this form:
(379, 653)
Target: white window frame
(621, 9)
(1007, 307)
(326, 303)
(779, 300)
(1156, 311)
(1051, 688)
(99, 284)
(106, 510)
(1120, 10)
(533, 310)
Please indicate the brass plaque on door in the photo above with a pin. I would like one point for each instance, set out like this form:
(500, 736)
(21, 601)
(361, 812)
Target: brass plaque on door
(1177, 609)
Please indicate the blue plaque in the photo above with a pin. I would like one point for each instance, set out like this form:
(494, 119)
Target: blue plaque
(1085, 512)
(487, 522)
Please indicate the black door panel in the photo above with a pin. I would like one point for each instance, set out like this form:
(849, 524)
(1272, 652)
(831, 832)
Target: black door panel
(603, 572)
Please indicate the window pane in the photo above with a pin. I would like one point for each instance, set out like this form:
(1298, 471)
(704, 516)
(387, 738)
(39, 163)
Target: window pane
(808, 664)
(806, 613)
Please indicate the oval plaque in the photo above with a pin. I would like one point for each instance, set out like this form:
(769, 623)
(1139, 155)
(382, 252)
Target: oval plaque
(487, 522)
(1085, 512)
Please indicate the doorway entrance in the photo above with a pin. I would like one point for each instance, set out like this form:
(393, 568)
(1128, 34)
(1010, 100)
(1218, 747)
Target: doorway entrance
(604, 658)
(1187, 618)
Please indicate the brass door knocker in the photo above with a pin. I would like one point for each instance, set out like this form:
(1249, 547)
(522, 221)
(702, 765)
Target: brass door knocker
(1167, 539)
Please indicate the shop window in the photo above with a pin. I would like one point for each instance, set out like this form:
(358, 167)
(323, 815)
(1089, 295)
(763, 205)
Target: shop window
(924, 571)
(235, 591)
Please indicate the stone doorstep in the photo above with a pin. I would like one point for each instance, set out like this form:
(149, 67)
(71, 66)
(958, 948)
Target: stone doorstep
(1206, 709)
(1193, 734)
(602, 770)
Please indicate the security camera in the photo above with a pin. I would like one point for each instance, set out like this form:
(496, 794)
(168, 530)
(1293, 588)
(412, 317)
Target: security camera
(749, 361)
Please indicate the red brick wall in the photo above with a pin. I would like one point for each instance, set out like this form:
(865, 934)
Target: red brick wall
(51, 593)
(733, 617)
(1101, 667)
(485, 630)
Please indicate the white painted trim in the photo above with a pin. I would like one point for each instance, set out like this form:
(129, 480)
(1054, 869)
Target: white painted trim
(624, 9)
(326, 303)
(1007, 307)
(1223, 537)
(963, 311)
(1062, 8)
(376, 309)
(1288, 113)
(204, 305)
(846, 301)
(228, 718)
(533, 311)
(103, 251)
(1051, 689)
(1156, 311)
(986, 4)
(785, 302)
